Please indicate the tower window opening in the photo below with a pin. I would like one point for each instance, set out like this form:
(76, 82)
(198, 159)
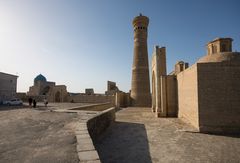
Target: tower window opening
(224, 48)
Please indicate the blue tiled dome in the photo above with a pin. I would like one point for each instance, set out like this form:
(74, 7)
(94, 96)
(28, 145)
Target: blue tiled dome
(40, 77)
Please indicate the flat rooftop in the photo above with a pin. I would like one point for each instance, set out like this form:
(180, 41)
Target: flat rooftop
(137, 136)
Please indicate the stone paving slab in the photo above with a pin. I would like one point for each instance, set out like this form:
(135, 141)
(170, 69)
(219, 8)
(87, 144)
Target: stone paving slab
(82, 136)
(82, 141)
(81, 127)
(85, 147)
(88, 156)
(92, 161)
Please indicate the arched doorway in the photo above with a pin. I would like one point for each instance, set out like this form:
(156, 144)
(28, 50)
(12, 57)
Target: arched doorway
(45, 90)
(57, 97)
(153, 92)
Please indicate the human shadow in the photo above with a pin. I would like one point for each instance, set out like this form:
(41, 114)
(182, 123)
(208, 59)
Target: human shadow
(124, 142)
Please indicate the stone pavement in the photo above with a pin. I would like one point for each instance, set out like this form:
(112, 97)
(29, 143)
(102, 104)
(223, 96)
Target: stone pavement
(137, 136)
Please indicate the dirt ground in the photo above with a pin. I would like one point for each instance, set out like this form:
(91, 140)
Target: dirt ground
(37, 135)
(43, 136)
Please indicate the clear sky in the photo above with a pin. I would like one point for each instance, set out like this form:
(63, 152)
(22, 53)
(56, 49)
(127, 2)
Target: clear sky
(84, 43)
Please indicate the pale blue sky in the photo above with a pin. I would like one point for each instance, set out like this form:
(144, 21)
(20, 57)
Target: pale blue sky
(84, 43)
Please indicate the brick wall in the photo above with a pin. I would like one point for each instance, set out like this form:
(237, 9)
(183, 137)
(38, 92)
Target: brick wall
(92, 98)
(8, 86)
(219, 97)
(172, 98)
(188, 95)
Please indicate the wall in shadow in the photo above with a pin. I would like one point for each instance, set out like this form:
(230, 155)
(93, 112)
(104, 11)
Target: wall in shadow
(124, 143)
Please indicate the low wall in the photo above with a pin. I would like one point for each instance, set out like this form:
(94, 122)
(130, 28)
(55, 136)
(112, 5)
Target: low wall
(92, 98)
(87, 132)
(94, 107)
(98, 124)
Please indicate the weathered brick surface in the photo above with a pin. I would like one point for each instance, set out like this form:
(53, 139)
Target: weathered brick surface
(188, 95)
(209, 96)
(172, 98)
(92, 98)
(219, 97)
(140, 88)
(98, 124)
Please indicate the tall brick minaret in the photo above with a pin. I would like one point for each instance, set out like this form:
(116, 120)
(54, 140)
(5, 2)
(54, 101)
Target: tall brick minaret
(140, 91)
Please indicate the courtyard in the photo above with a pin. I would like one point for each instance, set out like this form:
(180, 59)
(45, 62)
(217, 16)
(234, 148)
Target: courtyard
(139, 137)
(43, 135)
(38, 134)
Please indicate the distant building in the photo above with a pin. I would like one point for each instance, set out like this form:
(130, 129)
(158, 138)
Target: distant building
(43, 88)
(91, 97)
(111, 88)
(89, 91)
(8, 86)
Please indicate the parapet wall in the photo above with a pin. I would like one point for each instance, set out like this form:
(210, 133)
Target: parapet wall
(94, 107)
(98, 124)
(92, 98)
(88, 130)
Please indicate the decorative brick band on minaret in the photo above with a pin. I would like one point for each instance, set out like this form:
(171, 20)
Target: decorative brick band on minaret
(140, 91)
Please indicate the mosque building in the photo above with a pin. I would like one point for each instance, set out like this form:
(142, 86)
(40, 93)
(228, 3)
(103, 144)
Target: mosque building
(46, 89)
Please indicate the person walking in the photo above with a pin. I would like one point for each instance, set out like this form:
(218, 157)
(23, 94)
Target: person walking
(30, 100)
(34, 103)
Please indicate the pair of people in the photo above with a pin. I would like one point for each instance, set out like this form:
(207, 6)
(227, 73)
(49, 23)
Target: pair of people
(32, 101)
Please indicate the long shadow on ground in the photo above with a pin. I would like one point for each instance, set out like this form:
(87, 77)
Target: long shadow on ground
(124, 143)
(6, 108)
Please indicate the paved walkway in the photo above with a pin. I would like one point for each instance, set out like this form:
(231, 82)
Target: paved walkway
(137, 136)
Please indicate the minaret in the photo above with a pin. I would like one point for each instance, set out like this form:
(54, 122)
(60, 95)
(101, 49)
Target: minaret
(140, 91)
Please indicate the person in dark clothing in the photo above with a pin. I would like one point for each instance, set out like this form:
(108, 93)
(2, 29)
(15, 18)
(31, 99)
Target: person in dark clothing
(30, 100)
(34, 103)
